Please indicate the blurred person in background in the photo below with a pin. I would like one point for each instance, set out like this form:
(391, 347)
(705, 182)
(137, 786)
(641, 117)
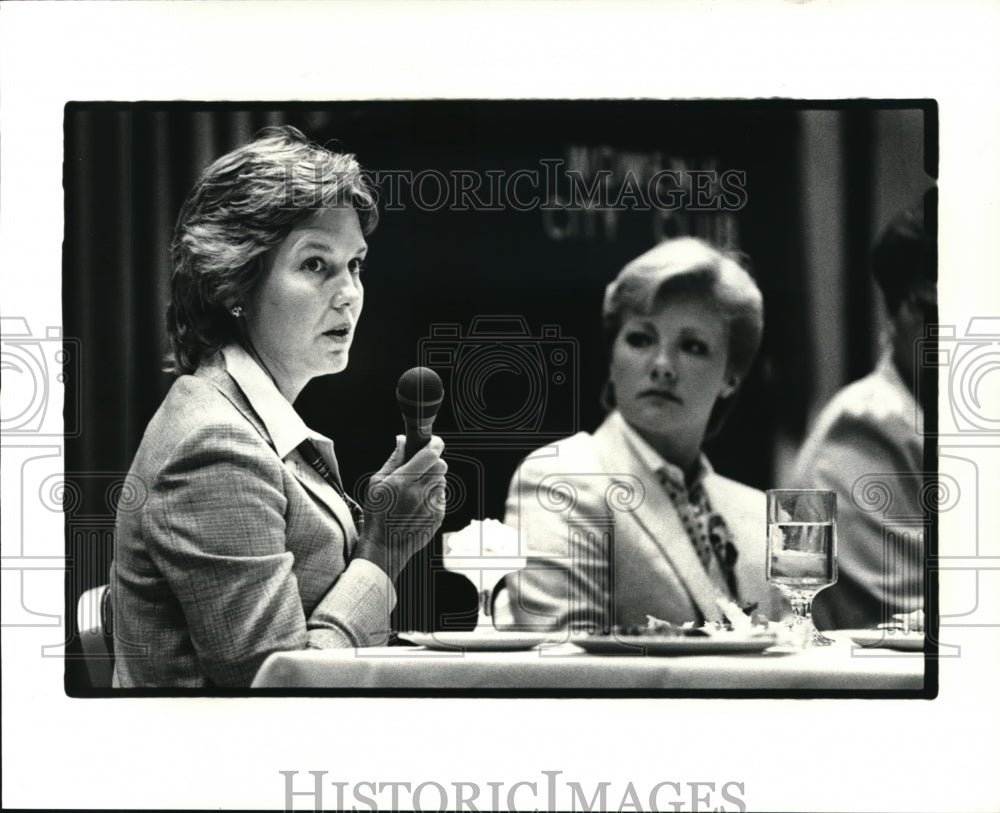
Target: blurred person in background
(870, 435)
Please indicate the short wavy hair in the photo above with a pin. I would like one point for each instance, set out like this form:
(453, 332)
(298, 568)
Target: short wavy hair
(905, 254)
(689, 266)
(243, 204)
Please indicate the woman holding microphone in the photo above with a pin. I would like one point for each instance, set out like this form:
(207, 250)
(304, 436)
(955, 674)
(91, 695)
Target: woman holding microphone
(246, 543)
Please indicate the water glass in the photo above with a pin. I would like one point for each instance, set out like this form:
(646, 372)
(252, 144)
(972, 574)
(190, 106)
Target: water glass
(802, 552)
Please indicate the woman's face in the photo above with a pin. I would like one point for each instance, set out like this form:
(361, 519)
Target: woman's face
(668, 369)
(302, 314)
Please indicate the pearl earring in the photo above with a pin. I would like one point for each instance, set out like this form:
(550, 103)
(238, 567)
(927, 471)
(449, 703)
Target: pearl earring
(236, 310)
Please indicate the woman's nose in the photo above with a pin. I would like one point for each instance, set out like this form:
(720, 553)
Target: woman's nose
(663, 364)
(346, 289)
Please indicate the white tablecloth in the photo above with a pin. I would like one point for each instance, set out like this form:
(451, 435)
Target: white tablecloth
(838, 667)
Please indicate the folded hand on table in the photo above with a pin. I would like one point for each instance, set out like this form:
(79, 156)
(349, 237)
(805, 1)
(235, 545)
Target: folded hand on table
(908, 622)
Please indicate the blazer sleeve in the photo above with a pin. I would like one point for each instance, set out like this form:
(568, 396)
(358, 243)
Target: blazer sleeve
(564, 526)
(215, 527)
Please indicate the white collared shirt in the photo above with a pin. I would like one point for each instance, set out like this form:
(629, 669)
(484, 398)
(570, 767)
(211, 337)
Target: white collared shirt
(655, 462)
(283, 423)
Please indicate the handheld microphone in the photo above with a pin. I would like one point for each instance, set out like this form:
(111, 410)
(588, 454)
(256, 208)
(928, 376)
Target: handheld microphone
(419, 394)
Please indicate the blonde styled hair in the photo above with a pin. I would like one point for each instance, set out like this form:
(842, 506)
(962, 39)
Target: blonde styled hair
(689, 266)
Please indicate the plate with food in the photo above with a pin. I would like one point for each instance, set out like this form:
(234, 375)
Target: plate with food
(905, 640)
(663, 638)
(617, 643)
(477, 640)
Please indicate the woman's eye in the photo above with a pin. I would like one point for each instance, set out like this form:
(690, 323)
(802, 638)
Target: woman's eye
(638, 339)
(315, 264)
(357, 266)
(696, 347)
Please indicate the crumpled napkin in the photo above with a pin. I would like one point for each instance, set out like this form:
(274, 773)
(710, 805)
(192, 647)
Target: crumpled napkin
(483, 545)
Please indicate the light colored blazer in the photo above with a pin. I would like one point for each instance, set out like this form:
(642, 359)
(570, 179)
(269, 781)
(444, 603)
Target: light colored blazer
(606, 546)
(867, 445)
(233, 552)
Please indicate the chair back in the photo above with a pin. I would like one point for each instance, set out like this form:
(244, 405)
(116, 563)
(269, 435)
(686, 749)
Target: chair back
(94, 624)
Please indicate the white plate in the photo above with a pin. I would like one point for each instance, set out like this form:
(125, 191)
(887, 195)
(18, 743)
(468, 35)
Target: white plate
(885, 639)
(675, 645)
(476, 641)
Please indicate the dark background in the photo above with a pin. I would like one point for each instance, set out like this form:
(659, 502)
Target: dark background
(821, 179)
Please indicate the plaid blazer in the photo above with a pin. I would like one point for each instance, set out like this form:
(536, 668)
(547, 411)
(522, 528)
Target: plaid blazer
(232, 554)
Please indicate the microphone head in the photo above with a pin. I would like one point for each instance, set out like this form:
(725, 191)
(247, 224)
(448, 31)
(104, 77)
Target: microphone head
(419, 393)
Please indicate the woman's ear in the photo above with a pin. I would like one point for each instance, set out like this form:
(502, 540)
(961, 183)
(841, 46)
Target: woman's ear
(608, 396)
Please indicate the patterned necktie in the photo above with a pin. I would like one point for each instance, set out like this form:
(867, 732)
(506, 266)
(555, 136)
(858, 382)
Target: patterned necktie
(725, 550)
(706, 529)
(312, 456)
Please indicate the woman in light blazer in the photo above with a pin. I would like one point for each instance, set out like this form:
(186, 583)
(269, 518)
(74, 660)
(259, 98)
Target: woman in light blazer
(245, 542)
(632, 520)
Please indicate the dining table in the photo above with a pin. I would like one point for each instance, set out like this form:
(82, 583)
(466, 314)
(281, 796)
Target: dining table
(556, 666)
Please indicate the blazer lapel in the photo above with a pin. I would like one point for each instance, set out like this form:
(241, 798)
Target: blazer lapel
(324, 493)
(655, 522)
(745, 518)
(302, 471)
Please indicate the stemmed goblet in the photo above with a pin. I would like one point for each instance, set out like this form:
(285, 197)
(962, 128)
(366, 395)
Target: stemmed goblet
(802, 552)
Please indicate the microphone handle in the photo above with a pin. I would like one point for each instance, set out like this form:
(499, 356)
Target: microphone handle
(418, 435)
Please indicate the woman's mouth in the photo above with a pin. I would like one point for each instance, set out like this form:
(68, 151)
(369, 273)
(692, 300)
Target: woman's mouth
(338, 333)
(663, 395)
